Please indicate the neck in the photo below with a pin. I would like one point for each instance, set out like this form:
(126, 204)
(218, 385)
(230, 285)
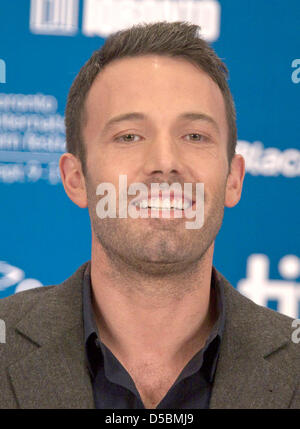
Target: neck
(145, 315)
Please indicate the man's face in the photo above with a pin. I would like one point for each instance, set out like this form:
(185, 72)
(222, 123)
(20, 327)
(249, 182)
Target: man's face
(163, 146)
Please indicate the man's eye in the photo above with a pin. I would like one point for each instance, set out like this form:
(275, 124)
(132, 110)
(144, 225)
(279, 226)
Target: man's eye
(127, 138)
(197, 137)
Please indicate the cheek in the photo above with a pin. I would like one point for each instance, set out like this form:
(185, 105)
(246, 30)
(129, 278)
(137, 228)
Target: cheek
(211, 172)
(214, 187)
(100, 167)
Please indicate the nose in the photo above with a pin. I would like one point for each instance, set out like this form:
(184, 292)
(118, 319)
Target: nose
(163, 157)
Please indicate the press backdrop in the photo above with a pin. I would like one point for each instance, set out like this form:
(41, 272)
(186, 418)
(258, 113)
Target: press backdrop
(44, 237)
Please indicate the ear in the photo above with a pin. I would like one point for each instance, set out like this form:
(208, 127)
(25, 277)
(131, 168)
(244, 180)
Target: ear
(73, 179)
(235, 180)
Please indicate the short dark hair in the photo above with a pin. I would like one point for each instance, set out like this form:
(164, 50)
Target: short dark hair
(172, 39)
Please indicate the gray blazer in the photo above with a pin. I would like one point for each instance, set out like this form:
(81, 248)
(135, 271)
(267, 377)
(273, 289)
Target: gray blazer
(42, 363)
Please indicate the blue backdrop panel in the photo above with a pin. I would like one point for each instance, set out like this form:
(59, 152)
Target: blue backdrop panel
(43, 44)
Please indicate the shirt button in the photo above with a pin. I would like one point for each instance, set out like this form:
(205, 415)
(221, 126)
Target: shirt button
(97, 342)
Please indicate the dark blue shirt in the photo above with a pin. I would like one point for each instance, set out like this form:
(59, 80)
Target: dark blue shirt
(113, 387)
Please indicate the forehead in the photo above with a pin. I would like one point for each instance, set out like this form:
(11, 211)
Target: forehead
(158, 86)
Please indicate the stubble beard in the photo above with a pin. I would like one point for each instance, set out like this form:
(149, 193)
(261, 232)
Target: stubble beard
(153, 247)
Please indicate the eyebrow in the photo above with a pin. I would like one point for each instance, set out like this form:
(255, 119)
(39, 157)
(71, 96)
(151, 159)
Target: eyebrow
(137, 116)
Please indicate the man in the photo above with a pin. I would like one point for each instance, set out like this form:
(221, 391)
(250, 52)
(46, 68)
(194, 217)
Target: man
(149, 322)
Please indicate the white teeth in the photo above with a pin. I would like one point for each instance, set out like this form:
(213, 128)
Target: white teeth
(166, 204)
(178, 204)
(157, 203)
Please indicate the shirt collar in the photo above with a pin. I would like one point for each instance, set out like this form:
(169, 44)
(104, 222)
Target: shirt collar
(212, 345)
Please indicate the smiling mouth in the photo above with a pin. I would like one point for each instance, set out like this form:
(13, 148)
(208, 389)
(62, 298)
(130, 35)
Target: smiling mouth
(164, 204)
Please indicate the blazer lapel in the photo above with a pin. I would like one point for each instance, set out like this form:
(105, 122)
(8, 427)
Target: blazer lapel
(245, 377)
(54, 375)
(51, 377)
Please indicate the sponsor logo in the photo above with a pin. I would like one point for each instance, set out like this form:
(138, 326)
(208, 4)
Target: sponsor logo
(261, 289)
(54, 17)
(269, 161)
(32, 138)
(103, 17)
(10, 276)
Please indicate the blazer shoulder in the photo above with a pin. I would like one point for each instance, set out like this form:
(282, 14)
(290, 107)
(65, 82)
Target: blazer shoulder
(21, 302)
(266, 318)
(260, 328)
(248, 311)
(14, 307)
